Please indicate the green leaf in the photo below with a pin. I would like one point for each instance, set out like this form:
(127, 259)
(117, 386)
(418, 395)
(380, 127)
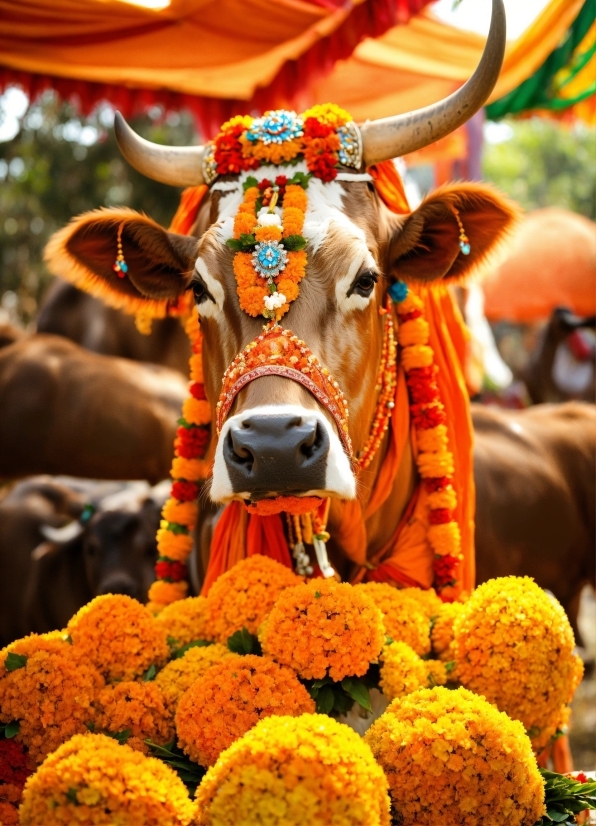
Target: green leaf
(243, 642)
(450, 666)
(300, 179)
(71, 794)
(91, 726)
(120, 736)
(180, 652)
(325, 700)
(294, 242)
(533, 731)
(150, 674)
(250, 182)
(190, 773)
(15, 661)
(234, 244)
(557, 817)
(317, 595)
(12, 729)
(356, 689)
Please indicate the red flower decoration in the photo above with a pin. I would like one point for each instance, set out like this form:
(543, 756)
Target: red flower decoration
(198, 390)
(313, 128)
(440, 516)
(185, 491)
(437, 483)
(15, 767)
(445, 567)
(422, 392)
(171, 570)
(426, 417)
(191, 442)
(409, 317)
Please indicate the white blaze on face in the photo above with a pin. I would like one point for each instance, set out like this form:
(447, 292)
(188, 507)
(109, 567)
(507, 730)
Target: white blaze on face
(339, 478)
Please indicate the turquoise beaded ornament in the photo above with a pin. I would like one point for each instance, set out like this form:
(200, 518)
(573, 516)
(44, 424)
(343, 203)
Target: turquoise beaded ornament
(464, 241)
(276, 127)
(120, 266)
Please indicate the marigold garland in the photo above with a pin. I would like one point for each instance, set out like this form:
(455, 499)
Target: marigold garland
(186, 620)
(230, 698)
(324, 628)
(435, 461)
(404, 617)
(508, 628)
(402, 671)
(295, 770)
(118, 636)
(138, 708)
(245, 595)
(179, 674)
(49, 691)
(452, 758)
(93, 780)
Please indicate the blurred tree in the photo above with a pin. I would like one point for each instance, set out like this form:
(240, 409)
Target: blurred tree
(545, 163)
(59, 165)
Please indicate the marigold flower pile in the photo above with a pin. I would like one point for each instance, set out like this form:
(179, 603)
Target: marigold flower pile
(295, 771)
(186, 620)
(402, 671)
(405, 617)
(323, 628)
(442, 630)
(93, 780)
(513, 644)
(179, 674)
(230, 698)
(138, 708)
(452, 758)
(244, 595)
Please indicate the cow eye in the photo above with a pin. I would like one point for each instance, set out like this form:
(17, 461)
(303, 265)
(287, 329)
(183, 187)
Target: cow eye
(364, 284)
(201, 293)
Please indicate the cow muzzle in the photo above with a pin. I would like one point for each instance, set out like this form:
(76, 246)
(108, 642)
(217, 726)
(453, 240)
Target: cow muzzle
(280, 450)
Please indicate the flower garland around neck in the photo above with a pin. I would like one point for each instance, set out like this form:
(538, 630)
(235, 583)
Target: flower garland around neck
(189, 469)
(427, 412)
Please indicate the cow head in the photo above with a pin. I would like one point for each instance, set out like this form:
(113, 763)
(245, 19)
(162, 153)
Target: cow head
(277, 438)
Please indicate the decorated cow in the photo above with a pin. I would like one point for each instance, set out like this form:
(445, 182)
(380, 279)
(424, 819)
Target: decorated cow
(328, 409)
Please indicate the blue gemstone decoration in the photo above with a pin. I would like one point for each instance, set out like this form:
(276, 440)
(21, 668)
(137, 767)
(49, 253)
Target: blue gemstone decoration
(123, 266)
(398, 292)
(275, 127)
(465, 247)
(269, 259)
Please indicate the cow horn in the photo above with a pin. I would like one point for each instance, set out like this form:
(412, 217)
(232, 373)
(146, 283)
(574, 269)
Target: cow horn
(173, 165)
(396, 136)
(64, 534)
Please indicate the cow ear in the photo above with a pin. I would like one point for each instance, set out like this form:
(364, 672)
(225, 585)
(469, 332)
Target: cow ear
(426, 246)
(159, 263)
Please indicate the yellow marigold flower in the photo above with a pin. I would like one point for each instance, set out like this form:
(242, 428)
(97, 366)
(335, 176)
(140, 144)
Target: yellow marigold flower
(49, 692)
(244, 595)
(196, 411)
(446, 498)
(324, 628)
(445, 539)
(174, 545)
(415, 331)
(442, 631)
(139, 707)
(427, 598)
(417, 355)
(404, 617)
(452, 758)
(432, 465)
(180, 674)
(163, 593)
(436, 672)
(119, 636)
(186, 620)
(402, 671)
(182, 513)
(295, 771)
(410, 303)
(245, 121)
(92, 780)
(328, 113)
(230, 698)
(513, 644)
(432, 439)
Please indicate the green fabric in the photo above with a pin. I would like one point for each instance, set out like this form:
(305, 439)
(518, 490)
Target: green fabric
(539, 90)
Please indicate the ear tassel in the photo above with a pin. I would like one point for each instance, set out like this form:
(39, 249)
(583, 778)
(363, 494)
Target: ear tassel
(120, 266)
(464, 241)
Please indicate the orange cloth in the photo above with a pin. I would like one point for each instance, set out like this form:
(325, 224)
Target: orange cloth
(188, 208)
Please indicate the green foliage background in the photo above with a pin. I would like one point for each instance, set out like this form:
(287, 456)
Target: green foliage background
(60, 164)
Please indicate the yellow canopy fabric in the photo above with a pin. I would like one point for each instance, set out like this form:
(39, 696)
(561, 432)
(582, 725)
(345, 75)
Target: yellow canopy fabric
(421, 63)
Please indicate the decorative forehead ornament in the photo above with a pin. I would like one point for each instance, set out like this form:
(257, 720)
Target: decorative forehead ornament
(269, 248)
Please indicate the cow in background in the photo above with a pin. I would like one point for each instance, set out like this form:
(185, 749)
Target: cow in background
(76, 315)
(63, 542)
(64, 410)
(535, 473)
(562, 365)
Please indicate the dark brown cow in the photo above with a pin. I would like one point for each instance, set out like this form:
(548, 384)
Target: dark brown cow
(69, 312)
(535, 473)
(62, 543)
(65, 410)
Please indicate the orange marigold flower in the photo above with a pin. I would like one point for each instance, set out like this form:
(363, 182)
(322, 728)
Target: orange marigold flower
(415, 331)
(417, 355)
(244, 595)
(445, 539)
(230, 698)
(293, 223)
(286, 504)
(295, 198)
(432, 439)
(182, 513)
(269, 233)
(138, 707)
(244, 224)
(196, 411)
(163, 593)
(119, 636)
(275, 153)
(436, 672)
(452, 758)
(433, 465)
(289, 289)
(427, 598)
(251, 300)
(94, 780)
(179, 674)
(9, 814)
(404, 617)
(296, 770)
(186, 620)
(410, 303)
(296, 266)
(174, 545)
(186, 468)
(49, 692)
(442, 630)
(196, 369)
(324, 628)
(511, 640)
(402, 671)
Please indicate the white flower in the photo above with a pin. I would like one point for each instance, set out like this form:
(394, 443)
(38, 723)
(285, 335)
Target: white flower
(274, 301)
(269, 219)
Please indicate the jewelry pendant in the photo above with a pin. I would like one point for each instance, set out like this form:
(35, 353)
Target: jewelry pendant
(120, 266)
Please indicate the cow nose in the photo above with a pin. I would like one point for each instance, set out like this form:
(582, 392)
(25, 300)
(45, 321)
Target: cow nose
(120, 584)
(268, 454)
